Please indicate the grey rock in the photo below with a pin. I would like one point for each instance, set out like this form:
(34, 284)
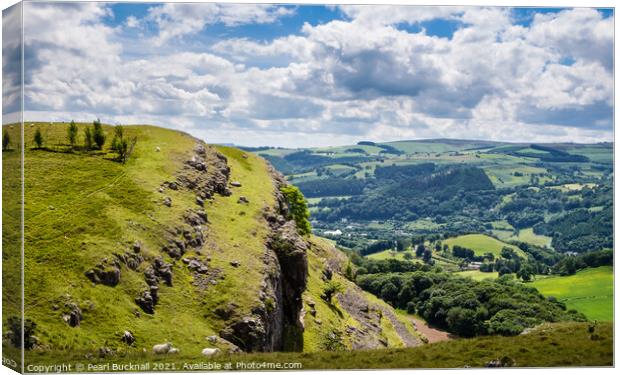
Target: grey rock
(107, 276)
(167, 201)
(200, 149)
(235, 184)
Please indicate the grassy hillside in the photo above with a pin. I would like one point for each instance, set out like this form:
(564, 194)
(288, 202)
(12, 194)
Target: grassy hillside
(342, 319)
(549, 345)
(82, 208)
(589, 291)
(482, 244)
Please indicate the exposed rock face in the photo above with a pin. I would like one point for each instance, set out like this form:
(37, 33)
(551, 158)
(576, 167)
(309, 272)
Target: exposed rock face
(158, 271)
(105, 274)
(131, 260)
(286, 272)
(206, 173)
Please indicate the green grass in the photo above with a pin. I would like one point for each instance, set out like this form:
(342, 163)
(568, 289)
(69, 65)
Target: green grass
(527, 235)
(333, 316)
(82, 207)
(572, 187)
(589, 291)
(390, 254)
(549, 345)
(11, 235)
(482, 244)
(477, 275)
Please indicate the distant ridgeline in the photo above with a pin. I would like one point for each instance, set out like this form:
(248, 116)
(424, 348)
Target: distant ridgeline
(561, 191)
(546, 153)
(405, 193)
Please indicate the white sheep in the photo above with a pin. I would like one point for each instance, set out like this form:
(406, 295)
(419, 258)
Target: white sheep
(162, 348)
(173, 351)
(208, 352)
(157, 149)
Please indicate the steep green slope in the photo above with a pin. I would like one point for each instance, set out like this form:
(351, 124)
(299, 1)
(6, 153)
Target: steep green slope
(354, 319)
(83, 210)
(113, 248)
(185, 243)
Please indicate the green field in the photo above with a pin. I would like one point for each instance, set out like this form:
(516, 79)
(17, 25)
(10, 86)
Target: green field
(390, 254)
(527, 235)
(477, 275)
(482, 244)
(590, 291)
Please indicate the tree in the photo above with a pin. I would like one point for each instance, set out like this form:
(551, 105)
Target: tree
(407, 256)
(98, 134)
(508, 253)
(330, 289)
(72, 132)
(463, 252)
(348, 272)
(462, 321)
(120, 145)
(6, 140)
(525, 273)
(88, 138)
(38, 138)
(389, 292)
(427, 256)
(419, 251)
(298, 208)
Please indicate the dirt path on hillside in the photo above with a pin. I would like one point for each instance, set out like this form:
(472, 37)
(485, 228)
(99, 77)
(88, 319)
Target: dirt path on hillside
(409, 339)
(432, 334)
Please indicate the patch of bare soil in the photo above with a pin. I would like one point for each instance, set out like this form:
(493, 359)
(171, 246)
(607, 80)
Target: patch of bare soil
(431, 334)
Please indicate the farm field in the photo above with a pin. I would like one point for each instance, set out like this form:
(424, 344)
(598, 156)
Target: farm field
(527, 235)
(482, 244)
(390, 254)
(589, 291)
(478, 275)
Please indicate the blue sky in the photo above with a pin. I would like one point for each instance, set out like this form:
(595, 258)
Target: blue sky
(298, 75)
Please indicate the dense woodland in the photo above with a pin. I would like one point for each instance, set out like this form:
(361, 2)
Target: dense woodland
(466, 307)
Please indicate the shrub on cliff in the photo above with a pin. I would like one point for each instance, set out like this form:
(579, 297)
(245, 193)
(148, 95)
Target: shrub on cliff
(298, 208)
